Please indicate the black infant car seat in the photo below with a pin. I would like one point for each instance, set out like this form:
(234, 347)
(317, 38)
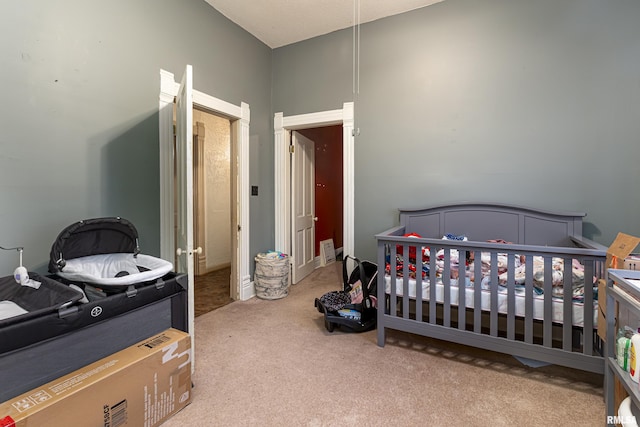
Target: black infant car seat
(354, 307)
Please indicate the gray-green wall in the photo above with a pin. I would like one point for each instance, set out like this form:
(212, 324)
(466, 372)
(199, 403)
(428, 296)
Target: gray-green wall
(79, 123)
(534, 103)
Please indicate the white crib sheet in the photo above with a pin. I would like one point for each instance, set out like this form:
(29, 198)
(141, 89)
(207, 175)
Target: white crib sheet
(538, 301)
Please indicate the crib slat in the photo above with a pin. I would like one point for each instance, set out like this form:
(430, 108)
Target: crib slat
(511, 297)
(446, 282)
(493, 322)
(528, 302)
(432, 286)
(462, 290)
(419, 283)
(383, 249)
(393, 272)
(477, 292)
(405, 282)
(567, 308)
(588, 307)
(547, 338)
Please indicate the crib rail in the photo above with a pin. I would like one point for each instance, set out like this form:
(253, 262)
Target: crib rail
(528, 316)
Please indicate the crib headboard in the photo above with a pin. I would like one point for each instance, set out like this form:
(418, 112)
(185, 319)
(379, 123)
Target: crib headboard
(484, 221)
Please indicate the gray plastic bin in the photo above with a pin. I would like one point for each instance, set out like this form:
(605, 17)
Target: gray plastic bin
(271, 277)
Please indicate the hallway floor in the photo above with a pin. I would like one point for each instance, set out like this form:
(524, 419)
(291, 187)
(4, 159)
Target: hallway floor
(212, 291)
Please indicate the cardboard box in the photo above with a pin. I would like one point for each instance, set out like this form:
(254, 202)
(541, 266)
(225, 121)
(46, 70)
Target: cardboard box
(621, 249)
(142, 385)
(617, 255)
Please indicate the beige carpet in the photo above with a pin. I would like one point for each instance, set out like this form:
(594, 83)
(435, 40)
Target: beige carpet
(272, 363)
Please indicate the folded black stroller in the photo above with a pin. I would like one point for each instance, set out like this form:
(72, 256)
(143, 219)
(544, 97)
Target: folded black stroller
(353, 308)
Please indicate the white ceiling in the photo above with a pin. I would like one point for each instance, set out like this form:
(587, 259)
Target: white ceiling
(281, 22)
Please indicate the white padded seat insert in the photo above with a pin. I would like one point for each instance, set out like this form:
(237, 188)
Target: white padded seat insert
(118, 269)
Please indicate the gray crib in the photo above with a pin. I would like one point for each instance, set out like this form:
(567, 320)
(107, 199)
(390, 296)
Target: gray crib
(524, 282)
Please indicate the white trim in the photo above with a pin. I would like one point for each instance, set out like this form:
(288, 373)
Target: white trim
(322, 118)
(241, 114)
(283, 125)
(218, 105)
(348, 168)
(282, 184)
(246, 289)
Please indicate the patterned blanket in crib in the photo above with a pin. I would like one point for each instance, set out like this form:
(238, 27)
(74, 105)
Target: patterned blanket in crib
(519, 274)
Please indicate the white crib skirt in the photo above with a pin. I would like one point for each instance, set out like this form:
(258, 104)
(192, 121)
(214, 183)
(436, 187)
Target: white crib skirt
(557, 306)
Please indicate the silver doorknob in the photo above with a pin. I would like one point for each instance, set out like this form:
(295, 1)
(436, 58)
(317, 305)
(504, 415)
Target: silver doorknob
(195, 251)
(315, 218)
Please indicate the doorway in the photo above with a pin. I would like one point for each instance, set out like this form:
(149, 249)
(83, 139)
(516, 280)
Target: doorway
(316, 196)
(329, 186)
(283, 126)
(213, 199)
(241, 285)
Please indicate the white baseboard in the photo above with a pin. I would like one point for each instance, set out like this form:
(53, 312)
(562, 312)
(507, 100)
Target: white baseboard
(247, 289)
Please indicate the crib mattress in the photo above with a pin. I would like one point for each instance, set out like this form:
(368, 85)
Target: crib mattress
(115, 270)
(19, 303)
(538, 300)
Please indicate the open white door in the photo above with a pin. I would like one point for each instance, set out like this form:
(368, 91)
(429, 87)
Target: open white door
(184, 192)
(303, 207)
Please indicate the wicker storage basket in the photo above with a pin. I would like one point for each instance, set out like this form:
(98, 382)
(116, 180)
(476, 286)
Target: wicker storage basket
(272, 275)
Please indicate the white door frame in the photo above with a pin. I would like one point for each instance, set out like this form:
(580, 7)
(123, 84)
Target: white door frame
(240, 118)
(283, 125)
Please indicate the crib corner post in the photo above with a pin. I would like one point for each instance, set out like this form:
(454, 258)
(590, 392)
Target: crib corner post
(381, 336)
(381, 253)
